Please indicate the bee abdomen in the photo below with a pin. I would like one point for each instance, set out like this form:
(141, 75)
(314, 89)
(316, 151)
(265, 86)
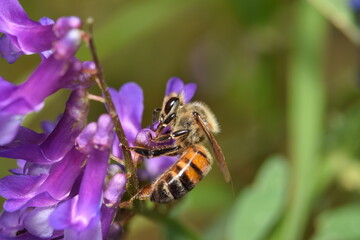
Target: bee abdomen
(183, 176)
(161, 193)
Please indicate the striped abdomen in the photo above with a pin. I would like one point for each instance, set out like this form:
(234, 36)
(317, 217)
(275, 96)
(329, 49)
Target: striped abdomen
(191, 167)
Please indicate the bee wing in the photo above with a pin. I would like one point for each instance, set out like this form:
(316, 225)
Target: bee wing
(220, 158)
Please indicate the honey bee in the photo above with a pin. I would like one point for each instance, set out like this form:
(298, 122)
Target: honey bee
(182, 129)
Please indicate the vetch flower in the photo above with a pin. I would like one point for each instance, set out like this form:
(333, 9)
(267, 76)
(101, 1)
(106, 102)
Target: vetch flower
(64, 186)
(25, 36)
(49, 158)
(47, 149)
(80, 217)
(57, 43)
(58, 71)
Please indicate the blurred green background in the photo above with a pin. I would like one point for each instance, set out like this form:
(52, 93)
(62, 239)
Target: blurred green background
(282, 78)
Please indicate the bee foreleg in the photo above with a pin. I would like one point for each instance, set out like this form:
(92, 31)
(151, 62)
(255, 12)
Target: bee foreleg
(155, 152)
(174, 135)
(165, 151)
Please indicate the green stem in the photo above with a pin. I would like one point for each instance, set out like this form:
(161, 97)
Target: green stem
(132, 184)
(306, 105)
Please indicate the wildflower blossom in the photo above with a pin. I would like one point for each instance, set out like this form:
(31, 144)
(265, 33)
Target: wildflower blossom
(52, 190)
(56, 42)
(64, 186)
(25, 36)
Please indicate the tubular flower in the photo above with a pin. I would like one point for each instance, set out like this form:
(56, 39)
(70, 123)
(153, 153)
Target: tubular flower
(64, 186)
(57, 43)
(25, 36)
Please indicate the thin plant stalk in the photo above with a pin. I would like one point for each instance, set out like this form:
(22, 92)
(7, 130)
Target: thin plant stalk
(306, 108)
(132, 184)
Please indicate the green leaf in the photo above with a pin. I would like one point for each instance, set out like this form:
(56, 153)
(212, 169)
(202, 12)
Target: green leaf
(339, 224)
(259, 207)
(340, 14)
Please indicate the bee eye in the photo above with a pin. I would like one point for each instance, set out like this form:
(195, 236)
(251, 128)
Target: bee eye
(170, 104)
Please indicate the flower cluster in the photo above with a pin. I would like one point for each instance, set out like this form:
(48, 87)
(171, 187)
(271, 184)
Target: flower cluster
(56, 43)
(64, 186)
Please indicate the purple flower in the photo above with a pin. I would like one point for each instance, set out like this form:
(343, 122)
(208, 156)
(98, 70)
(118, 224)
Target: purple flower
(80, 217)
(47, 149)
(58, 71)
(176, 85)
(129, 104)
(56, 43)
(64, 186)
(25, 36)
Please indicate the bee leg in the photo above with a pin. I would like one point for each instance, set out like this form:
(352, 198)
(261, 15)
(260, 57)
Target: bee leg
(142, 151)
(155, 152)
(143, 194)
(155, 117)
(165, 151)
(174, 135)
(163, 125)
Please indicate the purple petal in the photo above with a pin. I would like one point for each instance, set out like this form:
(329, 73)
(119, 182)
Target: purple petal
(157, 166)
(36, 169)
(62, 216)
(62, 139)
(28, 35)
(65, 24)
(37, 222)
(19, 186)
(112, 197)
(10, 222)
(115, 189)
(28, 152)
(84, 140)
(46, 21)
(9, 125)
(86, 206)
(174, 85)
(91, 186)
(189, 91)
(67, 170)
(40, 200)
(104, 134)
(49, 126)
(49, 77)
(92, 231)
(8, 50)
(67, 46)
(129, 103)
(6, 89)
(20, 169)
(42, 190)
